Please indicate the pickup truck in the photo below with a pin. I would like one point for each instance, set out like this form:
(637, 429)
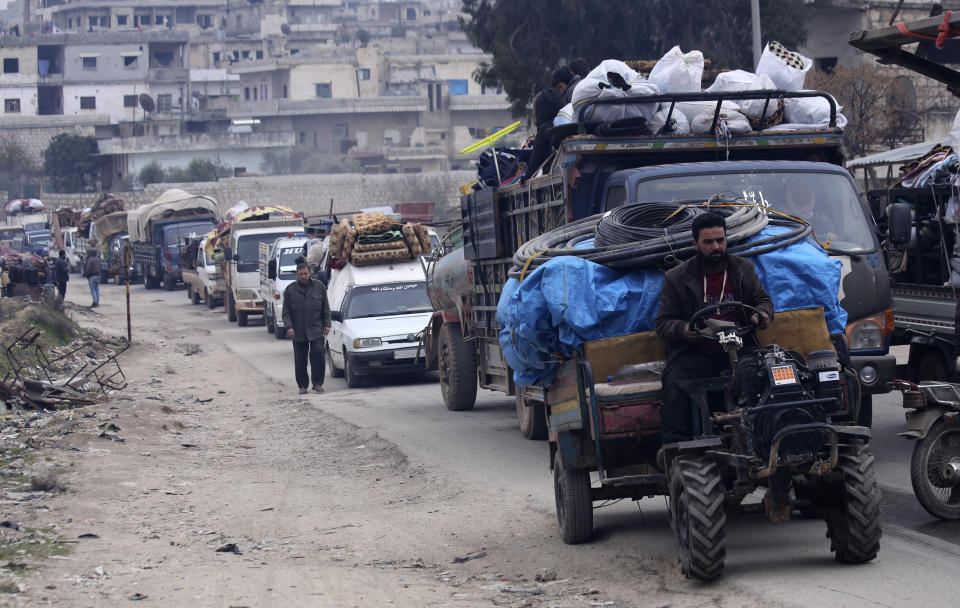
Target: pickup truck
(240, 262)
(277, 270)
(594, 173)
(201, 274)
(158, 231)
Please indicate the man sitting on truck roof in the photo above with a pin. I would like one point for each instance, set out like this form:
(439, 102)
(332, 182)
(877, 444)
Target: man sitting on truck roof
(545, 107)
(712, 276)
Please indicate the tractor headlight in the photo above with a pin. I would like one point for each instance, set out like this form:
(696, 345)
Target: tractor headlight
(870, 332)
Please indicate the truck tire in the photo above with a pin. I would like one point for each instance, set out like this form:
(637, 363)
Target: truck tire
(457, 363)
(242, 318)
(571, 490)
(194, 297)
(268, 323)
(208, 299)
(281, 333)
(533, 418)
(853, 522)
(231, 306)
(335, 372)
(169, 283)
(698, 517)
(353, 380)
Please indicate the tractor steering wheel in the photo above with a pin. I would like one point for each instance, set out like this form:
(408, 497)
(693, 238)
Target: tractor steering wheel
(698, 321)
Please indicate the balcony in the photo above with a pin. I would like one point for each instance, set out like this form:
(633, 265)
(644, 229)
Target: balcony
(308, 28)
(169, 74)
(49, 80)
(196, 142)
(487, 103)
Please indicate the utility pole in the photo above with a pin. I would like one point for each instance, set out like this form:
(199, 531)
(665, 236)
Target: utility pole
(755, 18)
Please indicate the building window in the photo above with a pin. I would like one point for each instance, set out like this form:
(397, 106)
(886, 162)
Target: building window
(104, 22)
(164, 102)
(303, 137)
(284, 91)
(70, 23)
(364, 73)
(129, 101)
(246, 93)
(164, 59)
(158, 19)
(121, 19)
(11, 106)
(11, 65)
(88, 103)
(239, 20)
(254, 93)
(411, 14)
(259, 54)
(204, 21)
(89, 63)
(131, 61)
(458, 87)
(216, 57)
(92, 21)
(324, 90)
(245, 54)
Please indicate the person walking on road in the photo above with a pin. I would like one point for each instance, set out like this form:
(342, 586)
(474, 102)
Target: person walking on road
(306, 313)
(61, 273)
(91, 270)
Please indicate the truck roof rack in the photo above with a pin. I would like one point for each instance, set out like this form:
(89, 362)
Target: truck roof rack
(887, 42)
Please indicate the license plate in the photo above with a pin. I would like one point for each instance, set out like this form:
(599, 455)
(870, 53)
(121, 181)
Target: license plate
(405, 354)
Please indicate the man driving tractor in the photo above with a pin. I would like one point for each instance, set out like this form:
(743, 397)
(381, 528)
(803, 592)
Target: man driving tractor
(711, 277)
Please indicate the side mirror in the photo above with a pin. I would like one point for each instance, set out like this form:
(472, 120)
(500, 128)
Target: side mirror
(272, 269)
(227, 253)
(336, 315)
(899, 225)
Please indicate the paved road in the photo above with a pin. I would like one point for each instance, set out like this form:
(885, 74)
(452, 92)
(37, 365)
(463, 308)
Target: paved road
(789, 564)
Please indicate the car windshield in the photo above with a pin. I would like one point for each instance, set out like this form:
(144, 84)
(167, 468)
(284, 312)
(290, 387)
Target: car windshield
(175, 234)
(288, 262)
(828, 201)
(387, 299)
(36, 239)
(248, 249)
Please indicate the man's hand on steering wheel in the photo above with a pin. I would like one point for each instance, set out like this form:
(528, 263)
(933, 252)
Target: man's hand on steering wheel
(757, 318)
(761, 320)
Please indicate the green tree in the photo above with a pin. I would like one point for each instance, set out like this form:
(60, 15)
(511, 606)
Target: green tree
(151, 174)
(16, 167)
(529, 38)
(71, 163)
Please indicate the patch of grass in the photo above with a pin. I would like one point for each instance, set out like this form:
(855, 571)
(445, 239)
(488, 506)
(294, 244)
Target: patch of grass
(9, 588)
(33, 549)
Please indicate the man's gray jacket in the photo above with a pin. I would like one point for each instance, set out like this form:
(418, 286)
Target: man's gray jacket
(305, 310)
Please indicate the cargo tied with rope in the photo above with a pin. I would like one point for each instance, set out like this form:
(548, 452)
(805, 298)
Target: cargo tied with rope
(372, 238)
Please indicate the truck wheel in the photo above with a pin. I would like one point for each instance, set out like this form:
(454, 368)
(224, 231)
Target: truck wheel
(230, 304)
(571, 489)
(242, 318)
(353, 380)
(195, 297)
(934, 468)
(853, 521)
(533, 418)
(457, 363)
(208, 299)
(268, 320)
(697, 517)
(335, 372)
(280, 332)
(169, 283)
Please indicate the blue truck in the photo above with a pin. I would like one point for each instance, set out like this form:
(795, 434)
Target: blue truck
(158, 231)
(593, 171)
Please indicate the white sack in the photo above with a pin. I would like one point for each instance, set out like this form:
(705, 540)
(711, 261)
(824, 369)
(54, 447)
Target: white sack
(810, 111)
(596, 85)
(677, 72)
(740, 80)
(786, 77)
(735, 122)
(692, 109)
(680, 126)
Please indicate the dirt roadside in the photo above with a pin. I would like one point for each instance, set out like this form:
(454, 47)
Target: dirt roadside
(306, 509)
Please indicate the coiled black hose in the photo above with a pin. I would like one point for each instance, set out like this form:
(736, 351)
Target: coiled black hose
(633, 244)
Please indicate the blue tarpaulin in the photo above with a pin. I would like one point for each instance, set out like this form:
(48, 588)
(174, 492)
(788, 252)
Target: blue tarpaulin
(569, 300)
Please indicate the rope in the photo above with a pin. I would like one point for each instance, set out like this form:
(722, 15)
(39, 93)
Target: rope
(944, 31)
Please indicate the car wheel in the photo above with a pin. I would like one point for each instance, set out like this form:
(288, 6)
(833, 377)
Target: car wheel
(335, 372)
(353, 380)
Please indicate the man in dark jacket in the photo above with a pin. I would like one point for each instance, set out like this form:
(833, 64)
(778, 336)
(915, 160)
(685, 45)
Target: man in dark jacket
(545, 107)
(61, 273)
(306, 314)
(91, 270)
(711, 277)
(579, 69)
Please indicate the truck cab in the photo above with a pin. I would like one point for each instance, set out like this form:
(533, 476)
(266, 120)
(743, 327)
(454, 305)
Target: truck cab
(823, 194)
(278, 268)
(378, 313)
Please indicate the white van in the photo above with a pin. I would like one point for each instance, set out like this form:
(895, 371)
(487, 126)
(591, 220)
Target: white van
(377, 312)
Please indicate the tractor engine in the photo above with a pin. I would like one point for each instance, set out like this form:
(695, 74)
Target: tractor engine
(777, 390)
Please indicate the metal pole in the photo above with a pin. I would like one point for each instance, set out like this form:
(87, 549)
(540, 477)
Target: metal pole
(126, 274)
(755, 18)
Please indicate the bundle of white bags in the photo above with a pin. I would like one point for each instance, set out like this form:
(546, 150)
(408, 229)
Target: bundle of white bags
(679, 72)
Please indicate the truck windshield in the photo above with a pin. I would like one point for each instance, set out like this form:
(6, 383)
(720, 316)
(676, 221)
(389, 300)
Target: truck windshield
(827, 200)
(288, 262)
(385, 300)
(173, 235)
(248, 249)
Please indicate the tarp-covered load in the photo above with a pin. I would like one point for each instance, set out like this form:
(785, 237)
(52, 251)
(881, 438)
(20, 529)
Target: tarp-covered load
(219, 237)
(568, 301)
(171, 204)
(110, 224)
